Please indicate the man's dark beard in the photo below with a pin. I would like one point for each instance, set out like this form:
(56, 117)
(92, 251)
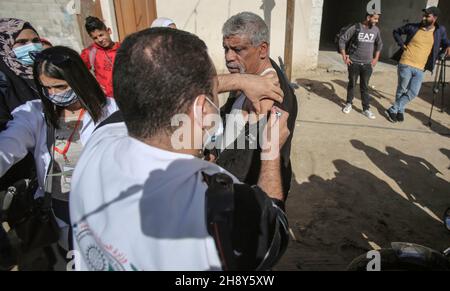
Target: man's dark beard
(426, 23)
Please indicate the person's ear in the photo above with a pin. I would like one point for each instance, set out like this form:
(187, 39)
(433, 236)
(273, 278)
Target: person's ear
(264, 50)
(109, 30)
(199, 110)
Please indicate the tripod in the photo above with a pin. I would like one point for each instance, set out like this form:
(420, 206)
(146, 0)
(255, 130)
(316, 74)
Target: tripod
(439, 86)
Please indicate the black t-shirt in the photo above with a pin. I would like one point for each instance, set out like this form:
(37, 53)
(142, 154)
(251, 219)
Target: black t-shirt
(246, 164)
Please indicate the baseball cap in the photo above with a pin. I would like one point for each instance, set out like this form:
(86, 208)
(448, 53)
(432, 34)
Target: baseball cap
(432, 10)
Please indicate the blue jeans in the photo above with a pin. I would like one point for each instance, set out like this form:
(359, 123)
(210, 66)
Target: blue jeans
(409, 84)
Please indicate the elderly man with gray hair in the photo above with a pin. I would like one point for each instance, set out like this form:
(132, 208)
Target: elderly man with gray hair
(247, 51)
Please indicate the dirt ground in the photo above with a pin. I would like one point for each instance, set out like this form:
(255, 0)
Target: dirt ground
(361, 184)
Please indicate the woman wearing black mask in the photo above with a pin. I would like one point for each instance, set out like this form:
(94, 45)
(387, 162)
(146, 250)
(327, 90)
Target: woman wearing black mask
(55, 127)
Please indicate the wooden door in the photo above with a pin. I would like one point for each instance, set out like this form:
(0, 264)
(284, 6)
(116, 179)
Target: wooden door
(134, 15)
(88, 8)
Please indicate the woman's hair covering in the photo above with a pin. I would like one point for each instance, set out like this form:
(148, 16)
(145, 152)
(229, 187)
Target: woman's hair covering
(10, 28)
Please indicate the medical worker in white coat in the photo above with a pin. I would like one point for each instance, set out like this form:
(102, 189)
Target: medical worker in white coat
(56, 127)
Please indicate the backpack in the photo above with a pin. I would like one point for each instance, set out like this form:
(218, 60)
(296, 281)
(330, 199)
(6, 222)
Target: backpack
(92, 56)
(352, 44)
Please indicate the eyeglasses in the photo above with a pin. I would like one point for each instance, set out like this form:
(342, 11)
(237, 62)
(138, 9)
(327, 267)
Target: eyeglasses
(53, 58)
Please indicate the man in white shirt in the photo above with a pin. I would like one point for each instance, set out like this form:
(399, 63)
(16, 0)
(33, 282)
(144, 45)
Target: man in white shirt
(139, 201)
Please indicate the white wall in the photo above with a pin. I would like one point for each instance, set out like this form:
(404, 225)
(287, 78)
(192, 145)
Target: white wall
(206, 18)
(202, 17)
(109, 16)
(48, 17)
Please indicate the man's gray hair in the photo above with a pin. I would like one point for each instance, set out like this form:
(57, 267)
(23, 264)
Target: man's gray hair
(248, 24)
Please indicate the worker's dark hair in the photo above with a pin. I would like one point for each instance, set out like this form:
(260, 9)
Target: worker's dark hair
(93, 24)
(159, 72)
(64, 63)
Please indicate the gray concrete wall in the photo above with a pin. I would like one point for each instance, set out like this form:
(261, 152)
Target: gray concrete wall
(394, 14)
(337, 14)
(206, 18)
(48, 17)
(202, 17)
(445, 18)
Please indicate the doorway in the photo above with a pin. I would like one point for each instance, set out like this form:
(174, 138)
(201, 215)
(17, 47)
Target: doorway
(134, 15)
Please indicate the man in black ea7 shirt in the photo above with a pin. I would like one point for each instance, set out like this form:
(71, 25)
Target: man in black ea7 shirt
(362, 58)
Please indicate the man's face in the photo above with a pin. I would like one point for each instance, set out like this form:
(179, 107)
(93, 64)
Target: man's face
(240, 55)
(373, 20)
(102, 38)
(428, 19)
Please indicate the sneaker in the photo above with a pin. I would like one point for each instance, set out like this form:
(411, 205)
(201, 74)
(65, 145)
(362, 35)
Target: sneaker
(391, 116)
(347, 109)
(369, 114)
(400, 117)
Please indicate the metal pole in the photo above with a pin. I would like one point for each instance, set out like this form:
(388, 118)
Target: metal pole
(436, 86)
(289, 43)
(443, 77)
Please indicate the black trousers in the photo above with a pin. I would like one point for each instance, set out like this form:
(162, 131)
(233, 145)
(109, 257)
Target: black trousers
(364, 72)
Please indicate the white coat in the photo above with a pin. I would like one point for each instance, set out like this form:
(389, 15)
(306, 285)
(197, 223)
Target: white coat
(27, 132)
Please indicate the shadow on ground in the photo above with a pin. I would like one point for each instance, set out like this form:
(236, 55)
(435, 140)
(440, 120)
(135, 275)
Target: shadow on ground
(338, 219)
(327, 91)
(425, 120)
(446, 152)
(426, 94)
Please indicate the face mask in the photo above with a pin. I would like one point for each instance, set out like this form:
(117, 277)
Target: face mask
(23, 52)
(212, 140)
(63, 99)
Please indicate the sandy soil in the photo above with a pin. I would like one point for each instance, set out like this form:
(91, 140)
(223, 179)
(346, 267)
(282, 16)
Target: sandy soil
(361, 184)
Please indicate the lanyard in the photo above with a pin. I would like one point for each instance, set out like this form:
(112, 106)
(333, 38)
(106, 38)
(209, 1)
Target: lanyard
(64, 151)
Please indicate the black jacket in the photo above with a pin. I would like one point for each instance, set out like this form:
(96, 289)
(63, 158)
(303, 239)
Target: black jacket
(441, 42)
(14, 92)
(246, 164)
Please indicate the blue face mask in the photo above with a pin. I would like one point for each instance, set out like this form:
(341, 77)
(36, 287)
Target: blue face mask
(63, 99)
(23, 52)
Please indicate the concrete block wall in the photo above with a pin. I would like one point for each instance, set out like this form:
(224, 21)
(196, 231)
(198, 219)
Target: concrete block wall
(395, 14)
(202, 17)
(445, 10)
(338, 14)
(206, 18)
(48, 17)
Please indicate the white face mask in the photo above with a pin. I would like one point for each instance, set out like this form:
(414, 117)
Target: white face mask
(212, 140)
